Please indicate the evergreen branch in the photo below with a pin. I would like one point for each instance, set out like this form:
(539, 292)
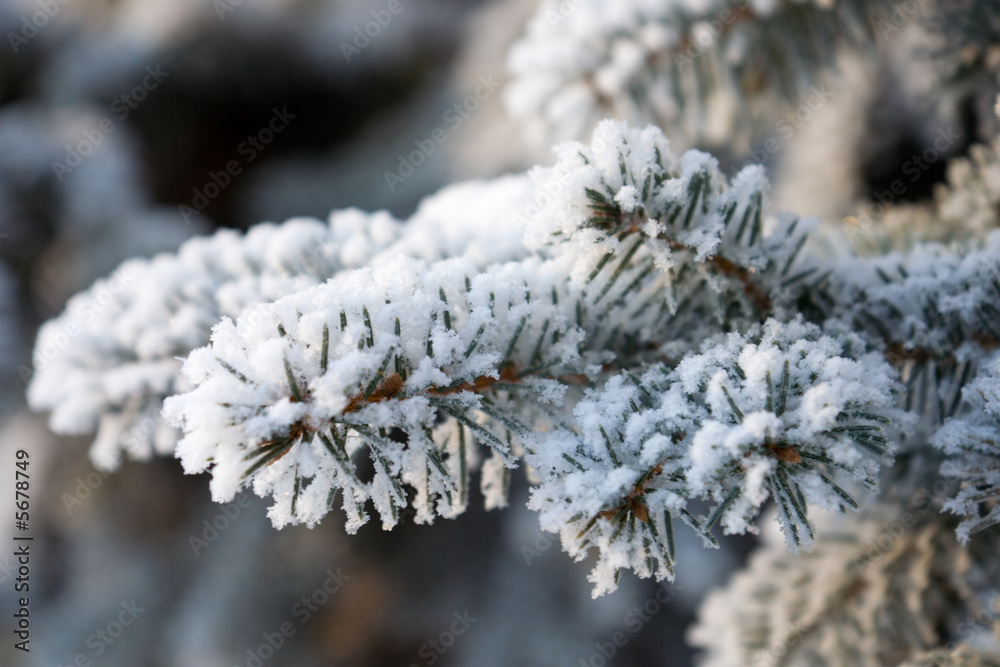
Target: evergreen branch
(705, 447)
(672, 63)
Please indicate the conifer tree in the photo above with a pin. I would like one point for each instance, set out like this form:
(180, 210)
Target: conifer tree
(634, 329)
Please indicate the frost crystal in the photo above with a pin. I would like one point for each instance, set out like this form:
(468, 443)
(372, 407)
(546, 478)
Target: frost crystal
(885, 583)
(972, 442)
(415, 363)
(780, 413)
(923, 301)
(110, 359)
(680, 64)
(407, 364)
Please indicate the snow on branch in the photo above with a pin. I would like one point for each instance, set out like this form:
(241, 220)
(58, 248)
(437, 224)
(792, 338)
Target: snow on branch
(462, 340)
(411, 361)
(962, 655)
(927, 302)
(628, 193)
(699, 68)
(783, 412)
(970, 202)
(972, 442)
(966, 208)
(108, 361)
(407, 363)
(881, 588)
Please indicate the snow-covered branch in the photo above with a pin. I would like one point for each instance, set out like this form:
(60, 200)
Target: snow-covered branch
(882, 587)
(409, 360)
(778, 413)
(701, 69)
(972, 441)
(110, 359)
